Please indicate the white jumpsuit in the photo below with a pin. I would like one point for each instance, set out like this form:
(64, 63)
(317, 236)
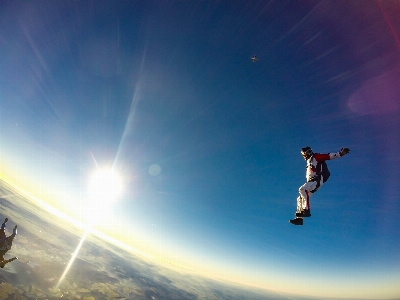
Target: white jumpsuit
(314, 179)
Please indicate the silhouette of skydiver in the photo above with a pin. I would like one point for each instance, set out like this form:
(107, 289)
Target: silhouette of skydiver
(6, 243)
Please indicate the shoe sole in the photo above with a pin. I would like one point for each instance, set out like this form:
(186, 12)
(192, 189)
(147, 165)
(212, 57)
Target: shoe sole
(290, 221)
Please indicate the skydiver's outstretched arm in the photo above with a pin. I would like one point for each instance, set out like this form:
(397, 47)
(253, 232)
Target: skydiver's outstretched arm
(15, 230)
(3, 226)
(6, 261)
(330, 156)
(10, 260)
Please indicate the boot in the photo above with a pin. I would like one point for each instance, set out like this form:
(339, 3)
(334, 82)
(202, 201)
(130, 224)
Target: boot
(304, 213)
(297, 221)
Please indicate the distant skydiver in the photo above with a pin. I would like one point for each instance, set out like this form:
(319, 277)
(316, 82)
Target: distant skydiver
(254, 58)
(317, 174)
(6, 243)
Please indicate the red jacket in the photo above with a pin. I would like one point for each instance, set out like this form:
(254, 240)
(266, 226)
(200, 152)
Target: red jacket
(312, 163)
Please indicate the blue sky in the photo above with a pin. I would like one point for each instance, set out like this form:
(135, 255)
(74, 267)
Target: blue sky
(207, 142)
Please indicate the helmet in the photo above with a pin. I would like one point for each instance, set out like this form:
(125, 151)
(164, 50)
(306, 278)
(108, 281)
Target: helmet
(307, 152)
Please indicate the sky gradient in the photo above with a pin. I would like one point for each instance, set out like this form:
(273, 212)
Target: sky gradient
(207, 142)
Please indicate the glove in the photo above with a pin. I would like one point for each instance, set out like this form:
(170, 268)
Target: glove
(344, 151)
(6, 220)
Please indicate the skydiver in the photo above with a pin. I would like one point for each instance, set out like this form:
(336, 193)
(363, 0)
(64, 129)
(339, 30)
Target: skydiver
(317, 174)
(6, 243)
(254, 58)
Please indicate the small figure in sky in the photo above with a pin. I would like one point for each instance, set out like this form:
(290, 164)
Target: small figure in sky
(6, 243)
(317, 174)
(254, 58)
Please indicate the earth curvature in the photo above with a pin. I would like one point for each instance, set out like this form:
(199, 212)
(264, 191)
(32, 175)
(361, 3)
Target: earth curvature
(44, 245)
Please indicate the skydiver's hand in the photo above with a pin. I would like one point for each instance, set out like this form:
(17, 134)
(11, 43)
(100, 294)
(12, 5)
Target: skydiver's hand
(344, 151)
(6, 220)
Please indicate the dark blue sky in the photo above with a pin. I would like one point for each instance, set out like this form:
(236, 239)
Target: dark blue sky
(207, 142)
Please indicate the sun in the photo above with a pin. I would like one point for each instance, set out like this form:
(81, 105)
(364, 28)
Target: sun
(104, 187)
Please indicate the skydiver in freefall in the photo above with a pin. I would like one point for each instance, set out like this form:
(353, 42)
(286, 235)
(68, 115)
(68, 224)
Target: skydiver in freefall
(254, 58)
(317, 174)
(6, 243)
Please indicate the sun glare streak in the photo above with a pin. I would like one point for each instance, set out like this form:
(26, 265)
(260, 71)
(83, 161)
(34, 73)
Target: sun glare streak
(73, 256)
(389, 22)
(104, 187)
(128, 122)
(95, 161)
(134, 102)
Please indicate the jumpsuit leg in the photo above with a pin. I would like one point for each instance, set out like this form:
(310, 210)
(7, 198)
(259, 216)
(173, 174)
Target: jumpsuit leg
(299, 204)
(303, 201)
